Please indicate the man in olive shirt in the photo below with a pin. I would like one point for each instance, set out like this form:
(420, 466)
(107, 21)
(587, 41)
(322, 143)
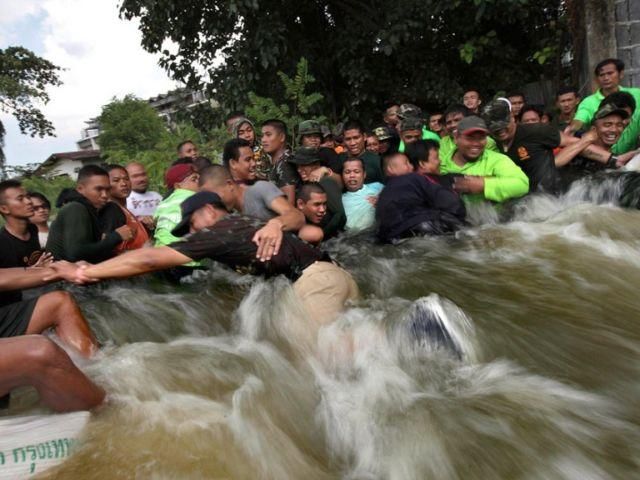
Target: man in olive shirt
(530, 146)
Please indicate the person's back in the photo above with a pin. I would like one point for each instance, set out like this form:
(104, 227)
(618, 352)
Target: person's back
(257, 199)
(412, 205)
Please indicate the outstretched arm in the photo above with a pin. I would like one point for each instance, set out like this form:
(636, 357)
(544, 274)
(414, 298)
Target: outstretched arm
(135, 262)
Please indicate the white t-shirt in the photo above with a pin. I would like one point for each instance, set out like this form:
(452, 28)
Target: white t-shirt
(143, 204)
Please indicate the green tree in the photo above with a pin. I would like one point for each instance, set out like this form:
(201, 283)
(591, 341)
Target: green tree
(129, 126)
(24, 78)
(362, 53)
(298, 104)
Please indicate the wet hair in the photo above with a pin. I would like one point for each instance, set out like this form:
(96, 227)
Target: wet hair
(354, 159)
(279, 125)
(182, 144)
(232, 150)
(567, 89)
(40, 197)
(620, 100)
(6, 185)
(353, 125)
(89, 171)
(419, 151)
(307, 189)
(532, 108)
(619, 64)
(516, 93)
(112, 166)
(388, 156)
(457, 108)
(216, 174)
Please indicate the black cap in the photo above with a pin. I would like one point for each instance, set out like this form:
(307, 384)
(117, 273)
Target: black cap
(411, 123)
(610, 109)
(190, 205)
(305, 156)
(497, 114)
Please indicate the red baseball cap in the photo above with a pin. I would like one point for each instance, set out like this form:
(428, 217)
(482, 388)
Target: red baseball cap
(177, 174)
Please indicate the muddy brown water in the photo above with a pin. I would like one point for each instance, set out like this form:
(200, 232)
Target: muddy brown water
(218, 378)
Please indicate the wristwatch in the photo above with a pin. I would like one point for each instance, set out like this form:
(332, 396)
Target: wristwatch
(612, 162)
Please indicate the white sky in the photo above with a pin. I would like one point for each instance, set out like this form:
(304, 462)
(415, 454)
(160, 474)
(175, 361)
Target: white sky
(102, 58)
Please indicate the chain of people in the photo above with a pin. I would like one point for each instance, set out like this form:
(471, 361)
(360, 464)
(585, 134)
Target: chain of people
(266, 210)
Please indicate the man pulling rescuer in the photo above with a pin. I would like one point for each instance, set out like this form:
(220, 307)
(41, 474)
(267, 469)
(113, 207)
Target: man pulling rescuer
(322, 286)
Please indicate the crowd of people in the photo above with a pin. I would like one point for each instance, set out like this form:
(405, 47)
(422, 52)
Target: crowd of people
(266, 209)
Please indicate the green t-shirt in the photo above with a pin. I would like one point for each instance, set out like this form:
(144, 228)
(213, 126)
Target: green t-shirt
(447, 146)
(167, 216)
(503, 178)
(629, 139)
(589, 106)
(426, 135)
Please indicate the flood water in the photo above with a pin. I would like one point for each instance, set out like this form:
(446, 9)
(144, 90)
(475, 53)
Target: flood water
(222, 377)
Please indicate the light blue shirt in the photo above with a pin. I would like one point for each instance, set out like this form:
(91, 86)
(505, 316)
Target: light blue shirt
(360, 213)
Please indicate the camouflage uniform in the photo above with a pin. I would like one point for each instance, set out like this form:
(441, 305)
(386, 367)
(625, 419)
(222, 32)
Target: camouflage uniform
(263, 163)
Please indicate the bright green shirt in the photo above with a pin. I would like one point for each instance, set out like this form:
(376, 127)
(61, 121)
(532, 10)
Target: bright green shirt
(426, 135)
(167, 216)
(589, 106)
(447, 146)
(629, 139)
(503, 178)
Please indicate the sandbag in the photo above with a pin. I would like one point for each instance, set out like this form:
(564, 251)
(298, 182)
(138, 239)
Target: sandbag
(30, 445)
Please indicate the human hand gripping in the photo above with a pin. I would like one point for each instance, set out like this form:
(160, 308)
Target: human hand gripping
(126, 232)
(71, 272)
(469, 184)
(268, 239)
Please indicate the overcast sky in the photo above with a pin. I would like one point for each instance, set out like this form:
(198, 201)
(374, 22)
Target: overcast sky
(102, 58)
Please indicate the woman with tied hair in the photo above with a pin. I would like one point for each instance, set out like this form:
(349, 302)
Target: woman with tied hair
(243, 128)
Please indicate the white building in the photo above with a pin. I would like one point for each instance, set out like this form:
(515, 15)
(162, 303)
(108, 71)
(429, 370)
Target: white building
(67, 163)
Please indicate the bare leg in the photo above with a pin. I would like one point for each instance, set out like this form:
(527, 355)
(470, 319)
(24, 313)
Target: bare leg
(36, 361)
(60, 311)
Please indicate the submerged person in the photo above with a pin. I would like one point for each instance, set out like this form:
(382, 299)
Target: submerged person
(411, 205)
(235, 240)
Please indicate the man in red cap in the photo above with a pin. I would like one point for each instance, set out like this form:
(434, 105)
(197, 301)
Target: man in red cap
(182, 182)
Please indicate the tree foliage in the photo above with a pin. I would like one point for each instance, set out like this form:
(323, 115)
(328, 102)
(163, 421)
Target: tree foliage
(298, 105)
(129, 126)
(24, 79)
(131, 130)
(363, 53)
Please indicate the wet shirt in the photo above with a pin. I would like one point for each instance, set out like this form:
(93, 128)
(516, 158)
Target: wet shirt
(532, 150)
(229, 242)
(409, 200)
(257, 199)
(358, 207)
(15, 252)
(372, 166)
(503, 178)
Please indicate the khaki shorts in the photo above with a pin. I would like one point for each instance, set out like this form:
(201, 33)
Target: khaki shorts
(324, 288)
